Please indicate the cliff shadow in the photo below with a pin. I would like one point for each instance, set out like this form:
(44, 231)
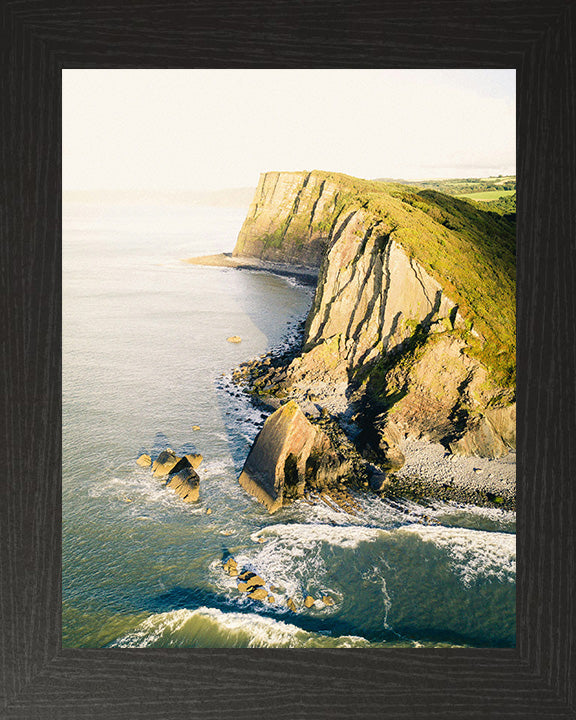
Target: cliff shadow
(379, 398)
(274, 304)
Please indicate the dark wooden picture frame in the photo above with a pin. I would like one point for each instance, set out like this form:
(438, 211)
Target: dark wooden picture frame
(39, 679)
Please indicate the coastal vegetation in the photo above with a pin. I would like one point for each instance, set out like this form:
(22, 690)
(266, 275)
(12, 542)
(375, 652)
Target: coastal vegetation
(464, 186)
(497, 194)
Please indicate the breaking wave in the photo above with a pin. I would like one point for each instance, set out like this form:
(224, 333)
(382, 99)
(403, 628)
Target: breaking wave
(211, 628)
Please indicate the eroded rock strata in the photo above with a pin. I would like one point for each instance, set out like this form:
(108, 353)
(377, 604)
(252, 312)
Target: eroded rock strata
(411, 332)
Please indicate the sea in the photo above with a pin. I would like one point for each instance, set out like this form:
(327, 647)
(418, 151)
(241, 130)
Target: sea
(146, 367)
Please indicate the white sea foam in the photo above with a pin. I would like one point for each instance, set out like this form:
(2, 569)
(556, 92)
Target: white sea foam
(293, 558)
(216, 468)
(293, 562)
(375, 574)
(495, 514)
(321, 513)
(461, 514)
(347, 536)
(473, 553)
(137, 487)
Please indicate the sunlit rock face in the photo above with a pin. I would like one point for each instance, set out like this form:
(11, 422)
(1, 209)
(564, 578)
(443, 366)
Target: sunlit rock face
(284, 222)
(288, 454)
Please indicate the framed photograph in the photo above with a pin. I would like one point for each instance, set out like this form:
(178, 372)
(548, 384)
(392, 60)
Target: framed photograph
(260, 368)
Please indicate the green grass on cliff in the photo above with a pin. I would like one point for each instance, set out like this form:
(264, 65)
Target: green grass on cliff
(471, 251)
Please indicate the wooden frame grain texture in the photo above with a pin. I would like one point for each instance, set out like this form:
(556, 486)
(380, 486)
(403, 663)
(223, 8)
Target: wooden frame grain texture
(38, 678)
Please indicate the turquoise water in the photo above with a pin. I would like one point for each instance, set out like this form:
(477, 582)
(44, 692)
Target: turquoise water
(145, 358)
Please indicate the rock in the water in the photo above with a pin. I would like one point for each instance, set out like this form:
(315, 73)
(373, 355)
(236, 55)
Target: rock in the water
(230, 566)
(327, 600)
(259, 593)
(194, 459)
(249, 580)
(271, 599)
(254, 581)
(288, 453)
(195, 427)
(308, 601)
(234, 339)
(186, 484)
(291, 604)
(208, 511)
(144, 461)
(167, 463)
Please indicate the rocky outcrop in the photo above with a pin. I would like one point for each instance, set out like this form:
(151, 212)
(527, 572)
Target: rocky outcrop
(399, 324)
(489, 435)
(259, 593)
(195, 459)
(186, 484)
(179, 472)
(288, 454)
(372, 295)
(230, 567)
(437, 392)
(255, 587)
(167, 463)
(249, 581)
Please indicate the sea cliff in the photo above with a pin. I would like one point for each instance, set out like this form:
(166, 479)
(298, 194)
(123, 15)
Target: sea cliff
(411, 335)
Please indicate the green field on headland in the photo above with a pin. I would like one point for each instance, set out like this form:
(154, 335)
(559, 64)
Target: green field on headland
(488, 195)
(497, 193)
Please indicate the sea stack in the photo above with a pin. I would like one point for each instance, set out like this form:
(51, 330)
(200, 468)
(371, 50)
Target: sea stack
(289, 453)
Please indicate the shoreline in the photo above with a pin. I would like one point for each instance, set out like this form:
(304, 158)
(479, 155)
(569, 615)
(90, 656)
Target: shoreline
(430, 472)
(304, 273)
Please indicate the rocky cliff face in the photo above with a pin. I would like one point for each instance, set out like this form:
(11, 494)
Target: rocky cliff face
(285, 222)
(411, 316)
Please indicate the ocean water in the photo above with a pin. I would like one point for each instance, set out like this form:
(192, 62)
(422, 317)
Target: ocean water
(145, 358)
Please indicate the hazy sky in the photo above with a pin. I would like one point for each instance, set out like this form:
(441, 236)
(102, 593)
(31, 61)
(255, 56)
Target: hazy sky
(212, 129)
